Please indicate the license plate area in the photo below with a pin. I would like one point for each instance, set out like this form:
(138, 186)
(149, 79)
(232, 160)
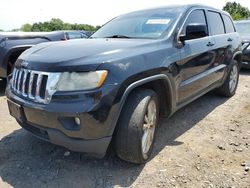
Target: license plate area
(16, 110)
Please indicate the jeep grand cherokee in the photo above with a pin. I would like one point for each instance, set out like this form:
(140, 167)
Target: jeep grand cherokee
(82, 94)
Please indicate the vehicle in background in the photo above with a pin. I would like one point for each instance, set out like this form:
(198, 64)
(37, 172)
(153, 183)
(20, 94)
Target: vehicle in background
(114, 87)
(243, 28)
(88, 33)
(12, 44)
(69, 35)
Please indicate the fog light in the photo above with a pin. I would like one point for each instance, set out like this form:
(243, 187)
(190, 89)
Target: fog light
(77, 121)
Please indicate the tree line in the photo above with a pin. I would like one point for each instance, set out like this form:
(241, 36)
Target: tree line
(56, 24)
(237, 11)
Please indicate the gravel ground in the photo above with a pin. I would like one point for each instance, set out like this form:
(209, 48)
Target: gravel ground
(205, 144)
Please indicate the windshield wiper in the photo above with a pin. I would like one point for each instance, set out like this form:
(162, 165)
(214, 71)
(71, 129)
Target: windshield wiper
(119, 36)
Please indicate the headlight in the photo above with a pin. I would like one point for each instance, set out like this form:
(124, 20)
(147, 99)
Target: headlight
(81, 81)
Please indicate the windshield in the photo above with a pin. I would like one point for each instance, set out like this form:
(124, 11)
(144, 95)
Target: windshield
(144, 24)
(243, 28)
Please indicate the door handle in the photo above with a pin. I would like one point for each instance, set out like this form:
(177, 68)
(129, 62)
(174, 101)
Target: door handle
(210, 44)
(229, 39)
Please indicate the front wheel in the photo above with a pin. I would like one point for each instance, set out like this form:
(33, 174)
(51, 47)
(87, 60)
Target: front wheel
(136, 127)
(229, 87)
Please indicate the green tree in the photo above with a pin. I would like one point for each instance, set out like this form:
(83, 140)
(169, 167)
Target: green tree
(97, 27)
(15, 30)
(36, 27)
(26, 27)
(1, 30)
(236, 10)
(67, 26)
(56, 24)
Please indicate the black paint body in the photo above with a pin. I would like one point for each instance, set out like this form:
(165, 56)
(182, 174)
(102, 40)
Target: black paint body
(180, 72)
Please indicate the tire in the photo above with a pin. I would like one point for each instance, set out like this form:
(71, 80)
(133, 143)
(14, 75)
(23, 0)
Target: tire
(229, 87)
(132, 130)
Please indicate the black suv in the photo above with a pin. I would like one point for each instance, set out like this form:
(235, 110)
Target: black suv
(82, 94)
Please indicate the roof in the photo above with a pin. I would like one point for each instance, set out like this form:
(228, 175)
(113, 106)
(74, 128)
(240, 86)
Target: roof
(185, 7)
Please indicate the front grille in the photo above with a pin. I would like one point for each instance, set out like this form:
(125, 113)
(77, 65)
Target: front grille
(33, 85)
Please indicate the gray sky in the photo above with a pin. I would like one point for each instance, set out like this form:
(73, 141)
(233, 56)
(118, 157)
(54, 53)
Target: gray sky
(14, 13)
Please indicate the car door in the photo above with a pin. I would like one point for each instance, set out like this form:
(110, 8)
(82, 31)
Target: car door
(197, 56)
(231, 37)
(222, 46)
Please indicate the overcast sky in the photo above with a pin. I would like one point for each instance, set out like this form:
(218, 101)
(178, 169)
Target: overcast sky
(14, 13)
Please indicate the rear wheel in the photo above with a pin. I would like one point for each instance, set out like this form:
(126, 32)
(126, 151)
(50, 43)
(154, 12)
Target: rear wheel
(229, 87)
(135, 133)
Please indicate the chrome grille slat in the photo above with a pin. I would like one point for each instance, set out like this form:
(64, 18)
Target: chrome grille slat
(13, 75)
(15, 79)
(18, 81)
(38, 85)
(34, 85)
(24, 83)
(30, 85)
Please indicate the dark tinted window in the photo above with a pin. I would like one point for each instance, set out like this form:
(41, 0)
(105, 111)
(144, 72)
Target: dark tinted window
(215, 22)
(228, 24)
(197, 16)
(74, 35)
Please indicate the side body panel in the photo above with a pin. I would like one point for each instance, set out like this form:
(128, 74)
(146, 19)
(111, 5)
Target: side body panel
(196, 61)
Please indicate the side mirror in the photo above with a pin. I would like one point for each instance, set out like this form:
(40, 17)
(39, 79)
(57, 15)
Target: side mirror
(194, 31)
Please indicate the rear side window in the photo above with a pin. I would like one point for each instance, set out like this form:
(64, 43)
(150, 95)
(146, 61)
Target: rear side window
(228, 24)
(197, 16)
(215, 22)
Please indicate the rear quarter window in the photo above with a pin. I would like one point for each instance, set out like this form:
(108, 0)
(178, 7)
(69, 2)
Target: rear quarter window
(216, 23)
(228, 24)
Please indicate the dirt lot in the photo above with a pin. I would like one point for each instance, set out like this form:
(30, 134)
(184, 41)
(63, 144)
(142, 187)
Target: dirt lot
(206, 144)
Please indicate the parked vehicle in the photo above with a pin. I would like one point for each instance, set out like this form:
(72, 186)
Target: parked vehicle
(114, 86)
(12, 44)
(71, 34)
(243, 27)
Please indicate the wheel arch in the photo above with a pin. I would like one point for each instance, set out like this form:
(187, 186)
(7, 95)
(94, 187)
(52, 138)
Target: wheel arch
(163, 87)
(161, 84)
(238, 57)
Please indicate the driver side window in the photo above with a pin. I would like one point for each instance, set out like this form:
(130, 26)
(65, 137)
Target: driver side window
(197, 16)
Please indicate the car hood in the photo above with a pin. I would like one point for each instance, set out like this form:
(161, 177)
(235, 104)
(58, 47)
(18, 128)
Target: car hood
(83, 54)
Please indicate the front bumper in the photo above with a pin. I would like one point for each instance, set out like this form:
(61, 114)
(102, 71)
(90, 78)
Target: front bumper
(96, 147)
(55, 123)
